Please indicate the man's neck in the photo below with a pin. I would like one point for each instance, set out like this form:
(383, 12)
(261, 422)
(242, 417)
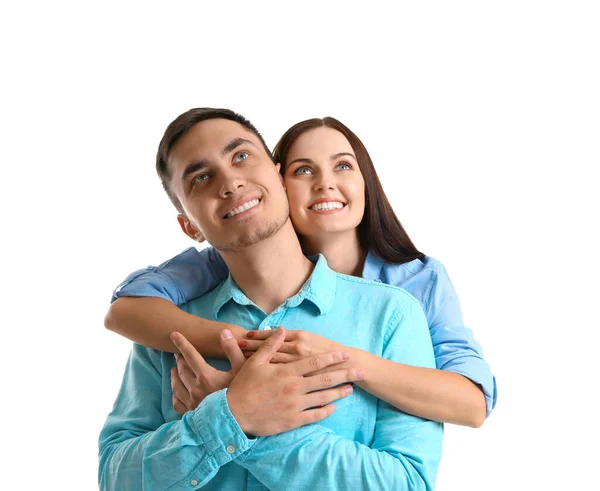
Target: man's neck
(342, 250)
(272, 270)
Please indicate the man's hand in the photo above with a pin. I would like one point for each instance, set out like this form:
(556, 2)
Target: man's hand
(297, 345)
(194, 379)
(268, 398)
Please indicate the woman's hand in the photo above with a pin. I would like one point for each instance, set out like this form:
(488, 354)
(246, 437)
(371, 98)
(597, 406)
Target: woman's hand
(297, 345)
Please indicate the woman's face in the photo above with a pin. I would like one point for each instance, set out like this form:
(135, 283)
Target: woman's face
(325, 187)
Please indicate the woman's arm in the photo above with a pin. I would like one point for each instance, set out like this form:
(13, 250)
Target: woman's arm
(429, 393)
(150, 321)
(144, 309)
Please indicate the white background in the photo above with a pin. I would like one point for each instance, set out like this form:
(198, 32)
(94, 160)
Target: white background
(483, 120)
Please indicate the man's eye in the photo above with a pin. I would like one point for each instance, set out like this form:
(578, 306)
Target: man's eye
(241, 156)
(302, 170)
(343, 166)
(200, 178)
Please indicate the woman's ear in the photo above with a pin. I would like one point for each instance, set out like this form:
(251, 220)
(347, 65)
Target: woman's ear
(189, 229)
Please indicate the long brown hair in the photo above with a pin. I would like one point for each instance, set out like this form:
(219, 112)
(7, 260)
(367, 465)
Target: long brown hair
(380, 230)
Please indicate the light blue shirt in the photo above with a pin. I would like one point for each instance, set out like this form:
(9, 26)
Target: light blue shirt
(365, 444)
(193, 273)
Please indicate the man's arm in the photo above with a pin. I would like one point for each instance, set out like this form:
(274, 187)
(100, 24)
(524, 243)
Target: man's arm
(138, 450)
(405, 451)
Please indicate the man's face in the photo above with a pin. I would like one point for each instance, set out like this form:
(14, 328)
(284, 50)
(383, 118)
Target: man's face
(230, 190)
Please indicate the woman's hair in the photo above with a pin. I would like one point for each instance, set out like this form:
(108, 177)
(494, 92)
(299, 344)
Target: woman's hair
(380, 230)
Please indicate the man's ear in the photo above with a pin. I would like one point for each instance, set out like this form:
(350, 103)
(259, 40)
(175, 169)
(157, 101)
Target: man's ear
(189, 229)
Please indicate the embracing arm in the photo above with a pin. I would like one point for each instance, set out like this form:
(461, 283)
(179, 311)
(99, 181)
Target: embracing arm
(144, 306)
(150, 322)
(433, 394)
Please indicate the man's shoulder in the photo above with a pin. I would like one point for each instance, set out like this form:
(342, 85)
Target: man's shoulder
(205, 303)
(376, 290)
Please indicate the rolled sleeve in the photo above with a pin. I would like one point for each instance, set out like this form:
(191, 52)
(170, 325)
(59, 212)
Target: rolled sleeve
(182, 278)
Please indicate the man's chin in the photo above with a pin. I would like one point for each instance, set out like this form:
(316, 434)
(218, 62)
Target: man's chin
(250, 238)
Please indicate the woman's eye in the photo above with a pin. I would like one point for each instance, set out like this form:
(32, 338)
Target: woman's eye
(343, 166)
(302, 170)
(241, 156)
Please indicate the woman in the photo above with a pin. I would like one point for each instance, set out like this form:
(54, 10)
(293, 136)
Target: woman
(338, 208)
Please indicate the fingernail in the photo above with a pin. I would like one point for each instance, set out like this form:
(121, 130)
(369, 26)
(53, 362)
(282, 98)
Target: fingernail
(174, 336)
(243, 344)
(226, 334)
(349, 389)
(345, 355)
(359, 374)
(250, 334)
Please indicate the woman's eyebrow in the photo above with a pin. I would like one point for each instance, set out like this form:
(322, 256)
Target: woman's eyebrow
(342, 154)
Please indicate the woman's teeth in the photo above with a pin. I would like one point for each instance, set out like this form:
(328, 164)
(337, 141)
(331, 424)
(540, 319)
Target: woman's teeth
(329, 205)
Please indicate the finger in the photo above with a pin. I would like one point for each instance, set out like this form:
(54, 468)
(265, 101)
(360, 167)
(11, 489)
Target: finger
(180, 392)
(191, 355)
(260, 335)
(180, 407)
(280, 357)
(324, 397)
(186, 374)
(253, 345)
(270, 347)
(314, 415)
(318, 362)
(332, 379)
(232, 350)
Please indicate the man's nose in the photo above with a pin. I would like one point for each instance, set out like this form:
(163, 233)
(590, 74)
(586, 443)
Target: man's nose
(231, 182)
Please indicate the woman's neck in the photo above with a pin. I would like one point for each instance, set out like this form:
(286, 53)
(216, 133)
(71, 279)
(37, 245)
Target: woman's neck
(342, 250)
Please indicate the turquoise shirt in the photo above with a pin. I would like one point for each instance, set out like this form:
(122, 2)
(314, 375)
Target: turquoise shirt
(365, 444)
(193, 273)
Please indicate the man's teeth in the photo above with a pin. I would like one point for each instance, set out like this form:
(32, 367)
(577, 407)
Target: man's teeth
(329, 205)
(244, 207)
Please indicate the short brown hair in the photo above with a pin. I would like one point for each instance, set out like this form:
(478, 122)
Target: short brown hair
(380, 230)
(180, 126)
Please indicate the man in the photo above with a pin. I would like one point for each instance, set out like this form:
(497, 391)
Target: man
(262, 432)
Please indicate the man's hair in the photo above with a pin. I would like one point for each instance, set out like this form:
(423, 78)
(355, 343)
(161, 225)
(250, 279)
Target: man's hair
(180, 126)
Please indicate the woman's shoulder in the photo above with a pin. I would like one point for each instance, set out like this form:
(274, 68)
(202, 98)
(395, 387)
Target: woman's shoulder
(426, 267)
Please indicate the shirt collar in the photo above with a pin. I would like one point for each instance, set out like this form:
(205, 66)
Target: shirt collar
(373, 267)
(319, 289)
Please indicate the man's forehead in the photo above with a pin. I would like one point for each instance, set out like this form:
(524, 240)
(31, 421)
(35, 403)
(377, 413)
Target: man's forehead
(208, 137)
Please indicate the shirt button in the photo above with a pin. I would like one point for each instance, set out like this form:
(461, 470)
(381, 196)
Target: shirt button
(193, 482)
(230, 449)
(267, 328)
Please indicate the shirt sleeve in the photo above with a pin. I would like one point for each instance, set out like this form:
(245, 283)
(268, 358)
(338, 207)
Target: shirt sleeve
(182, 278)
(454, 346)
(139, 450)
(405, 451)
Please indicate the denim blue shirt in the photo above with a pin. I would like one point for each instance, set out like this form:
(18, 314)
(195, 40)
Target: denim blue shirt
(193, 273)
(365, 444)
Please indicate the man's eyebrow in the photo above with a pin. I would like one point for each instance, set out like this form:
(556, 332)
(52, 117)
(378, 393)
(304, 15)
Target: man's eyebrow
(201, 164)
(193, 167)
(233, 144)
